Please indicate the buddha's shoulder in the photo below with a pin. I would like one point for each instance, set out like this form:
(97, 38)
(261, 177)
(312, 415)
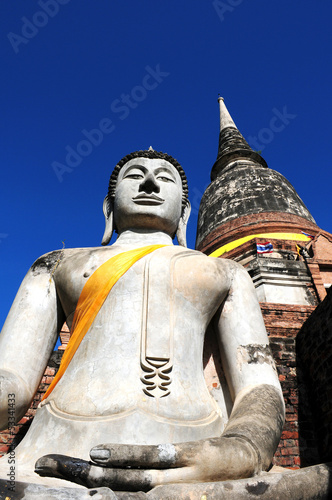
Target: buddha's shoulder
(202, 261)
(50, 261)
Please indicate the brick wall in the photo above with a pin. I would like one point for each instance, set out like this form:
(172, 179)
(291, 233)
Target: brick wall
(297, 445)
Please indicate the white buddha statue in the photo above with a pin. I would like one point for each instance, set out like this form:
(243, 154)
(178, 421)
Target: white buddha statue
(131, 393)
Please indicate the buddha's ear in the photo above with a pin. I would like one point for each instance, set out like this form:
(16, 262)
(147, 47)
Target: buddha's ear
(181, 232)
(109, 226)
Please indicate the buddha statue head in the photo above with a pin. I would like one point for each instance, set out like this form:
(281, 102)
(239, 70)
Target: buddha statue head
(148, 191)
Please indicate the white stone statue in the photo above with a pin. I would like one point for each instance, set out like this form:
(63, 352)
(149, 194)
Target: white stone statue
(133, 396)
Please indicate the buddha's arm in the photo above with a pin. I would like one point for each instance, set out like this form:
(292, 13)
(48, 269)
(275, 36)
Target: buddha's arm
(258, 413)
(26, 341)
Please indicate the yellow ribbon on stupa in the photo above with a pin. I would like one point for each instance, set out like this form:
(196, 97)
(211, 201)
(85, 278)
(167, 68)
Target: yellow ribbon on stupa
(276, 236)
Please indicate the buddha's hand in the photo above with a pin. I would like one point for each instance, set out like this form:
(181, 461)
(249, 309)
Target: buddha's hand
(140, 468)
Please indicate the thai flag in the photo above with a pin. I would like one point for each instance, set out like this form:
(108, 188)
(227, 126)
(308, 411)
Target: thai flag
(309, 235)
(266, 247)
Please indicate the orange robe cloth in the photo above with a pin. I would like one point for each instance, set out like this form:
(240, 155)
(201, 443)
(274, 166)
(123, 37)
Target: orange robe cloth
(92, 297)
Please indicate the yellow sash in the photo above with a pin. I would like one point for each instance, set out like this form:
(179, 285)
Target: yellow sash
(92, 298)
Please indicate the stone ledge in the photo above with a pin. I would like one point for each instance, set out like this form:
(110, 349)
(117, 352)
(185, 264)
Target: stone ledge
(309, 483)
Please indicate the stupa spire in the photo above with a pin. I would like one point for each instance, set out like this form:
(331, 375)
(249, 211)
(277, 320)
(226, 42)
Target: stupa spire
(232, 144)
(225, 118)
(246, 193)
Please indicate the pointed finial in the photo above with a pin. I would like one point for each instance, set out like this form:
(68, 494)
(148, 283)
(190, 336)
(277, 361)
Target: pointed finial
(225, 118)
(151, 148)
(232, 144)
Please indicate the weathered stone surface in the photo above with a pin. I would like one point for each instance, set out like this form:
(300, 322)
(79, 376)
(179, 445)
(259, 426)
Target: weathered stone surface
(233, 146)
(246, 188)
(129, 495)
(25, 491)
(281, 281)
(310, 483)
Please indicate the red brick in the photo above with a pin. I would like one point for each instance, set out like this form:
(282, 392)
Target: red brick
(290, 435)
(291, 417)
(24, 420)
(290, 442)
(50, 371)
(285, 461)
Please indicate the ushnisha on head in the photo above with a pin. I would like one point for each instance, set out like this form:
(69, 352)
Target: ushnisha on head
(148, 191)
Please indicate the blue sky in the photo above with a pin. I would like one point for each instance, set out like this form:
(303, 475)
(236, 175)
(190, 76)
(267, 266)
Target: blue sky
(149, 73)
